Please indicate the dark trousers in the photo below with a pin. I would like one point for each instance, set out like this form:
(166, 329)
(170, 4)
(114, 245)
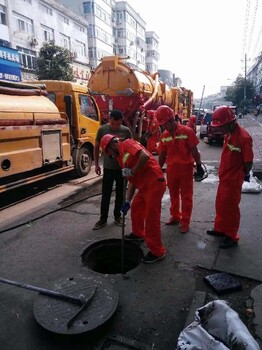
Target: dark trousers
(109, 176)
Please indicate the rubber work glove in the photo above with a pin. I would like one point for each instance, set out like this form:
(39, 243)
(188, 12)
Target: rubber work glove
(125, 207)
(126, 172)
(200, 170)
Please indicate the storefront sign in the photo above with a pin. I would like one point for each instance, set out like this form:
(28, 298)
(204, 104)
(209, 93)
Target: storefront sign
(10, 68)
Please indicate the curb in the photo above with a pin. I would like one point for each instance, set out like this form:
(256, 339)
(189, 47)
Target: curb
(198, 300)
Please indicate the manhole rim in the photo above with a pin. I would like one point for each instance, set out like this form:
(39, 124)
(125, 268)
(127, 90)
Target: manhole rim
(96, 243)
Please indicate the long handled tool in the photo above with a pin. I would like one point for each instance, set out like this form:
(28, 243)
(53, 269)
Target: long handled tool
(81, 300)
(44, 291)
(123, 230)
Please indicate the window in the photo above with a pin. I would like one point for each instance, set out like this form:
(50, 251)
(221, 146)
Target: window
(2, 15)
(79, 27)
(23, 24)
(87, 107)
(64, 19)
(27, 58)
(96, 32)
(80, 49)
(46, 9)
(52, 96)
(47, 33)
(88, 7)
(65, 41)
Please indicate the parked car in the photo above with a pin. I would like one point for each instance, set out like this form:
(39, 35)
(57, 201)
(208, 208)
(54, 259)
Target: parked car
(205, 122)
(214, 134)
(199, 114)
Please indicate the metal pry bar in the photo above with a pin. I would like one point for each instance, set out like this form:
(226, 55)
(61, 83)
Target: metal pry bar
(44, 291)
(82, 308)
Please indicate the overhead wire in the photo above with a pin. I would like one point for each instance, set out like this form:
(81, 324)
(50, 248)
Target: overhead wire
(257, 49)
(252, 26)
(246, 25)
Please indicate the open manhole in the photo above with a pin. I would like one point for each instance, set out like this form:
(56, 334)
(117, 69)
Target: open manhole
(105, 256)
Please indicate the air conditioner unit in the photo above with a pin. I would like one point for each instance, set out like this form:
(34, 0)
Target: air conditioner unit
(73, 55)
(33, 41)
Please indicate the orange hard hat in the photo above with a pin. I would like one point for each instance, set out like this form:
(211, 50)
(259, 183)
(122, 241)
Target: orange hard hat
(193, 119)
(105, 141)
(164, 114)
(222, 116)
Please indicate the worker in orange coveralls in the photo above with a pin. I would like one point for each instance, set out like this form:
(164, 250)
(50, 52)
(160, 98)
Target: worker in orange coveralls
(236, 163)
(192, 122)
(178, 148)
(144, 174)
(153, 132)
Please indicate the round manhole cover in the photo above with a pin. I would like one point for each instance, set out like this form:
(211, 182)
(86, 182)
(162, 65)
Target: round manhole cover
(105, 256)
(64, 317)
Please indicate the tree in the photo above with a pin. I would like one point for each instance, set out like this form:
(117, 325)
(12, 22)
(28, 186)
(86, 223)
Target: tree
(53, 63)
(235, 92)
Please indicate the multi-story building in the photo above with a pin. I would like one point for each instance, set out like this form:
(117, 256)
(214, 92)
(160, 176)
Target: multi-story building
(89, 29)
(167, 77)
(98, 13)
(114, 28)
(152, 52)
(255, 75)
(27, 24)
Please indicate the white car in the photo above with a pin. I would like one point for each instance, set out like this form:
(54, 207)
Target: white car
(206, 120)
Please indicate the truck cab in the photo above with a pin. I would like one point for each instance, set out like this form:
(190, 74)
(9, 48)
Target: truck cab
(84, 118)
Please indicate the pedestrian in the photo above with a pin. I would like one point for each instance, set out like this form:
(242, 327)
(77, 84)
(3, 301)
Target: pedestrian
(178, 119)
(146, 178)
(153, 132)
(111, 169)
(178, 148)
(236, 162)
(192, 122)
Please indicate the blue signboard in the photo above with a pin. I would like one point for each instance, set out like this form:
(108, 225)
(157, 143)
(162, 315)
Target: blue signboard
(10, 67)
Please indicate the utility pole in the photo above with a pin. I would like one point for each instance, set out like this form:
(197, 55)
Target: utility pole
(200, 105)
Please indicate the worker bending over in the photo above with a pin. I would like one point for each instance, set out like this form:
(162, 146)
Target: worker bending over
(144, 174)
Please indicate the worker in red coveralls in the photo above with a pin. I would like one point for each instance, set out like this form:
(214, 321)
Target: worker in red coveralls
(144, 174)
(178, 148)
(236, 162)
(192, 122)
(153, 132)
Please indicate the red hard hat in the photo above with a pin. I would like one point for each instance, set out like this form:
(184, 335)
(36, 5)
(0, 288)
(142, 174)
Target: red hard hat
(222, 116)
(193, 119)
(164, 114)
(105, 140)
(150, 114)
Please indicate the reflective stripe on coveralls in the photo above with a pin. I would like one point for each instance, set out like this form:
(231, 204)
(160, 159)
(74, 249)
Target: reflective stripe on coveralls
(237, 150)
(146, 204)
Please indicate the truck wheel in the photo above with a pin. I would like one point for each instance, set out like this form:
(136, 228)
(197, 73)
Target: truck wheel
(82, 160)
